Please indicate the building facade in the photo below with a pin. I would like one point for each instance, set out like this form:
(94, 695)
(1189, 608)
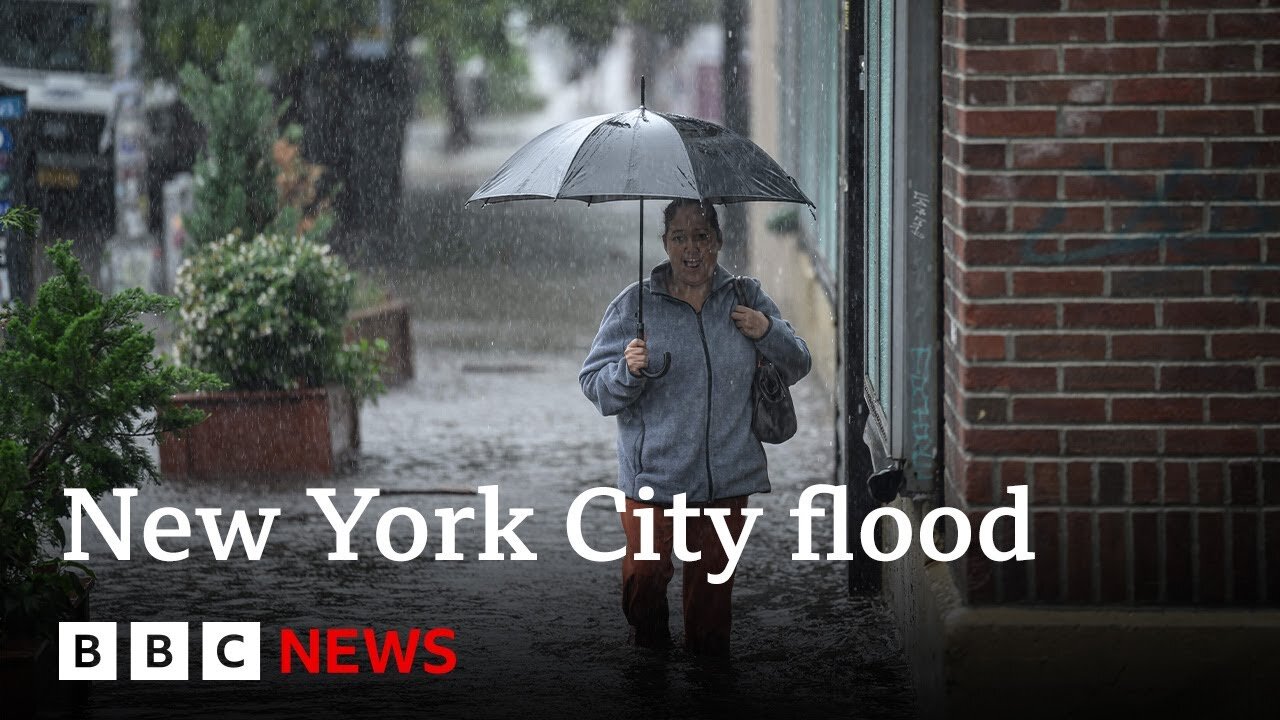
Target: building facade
(1052, 260)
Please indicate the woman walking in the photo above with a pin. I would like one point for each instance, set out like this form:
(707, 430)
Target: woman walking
(689, 431)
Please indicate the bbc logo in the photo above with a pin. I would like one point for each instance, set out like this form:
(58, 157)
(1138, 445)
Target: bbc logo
(158, 651)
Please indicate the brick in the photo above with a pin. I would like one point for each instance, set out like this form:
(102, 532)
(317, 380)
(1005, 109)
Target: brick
(1243, 478)
(1079, 557)
(1111, 483)
(1210, 313)
(1246, 218)
(1101, 123)
(1057, 218)
(1108, 314)
(1113, 377)
(1208, 58)
(1079, 483)
(1114, 565)
(992, 441)
(1213, 251)
(1060, 29)
(1146, 558)
(1244, 409)
(1060, 347)
(1157, 218)
(983, 218)
(1212, 441)
(1111, 442)
(1245, 89)
(1177, 483)
(1139, 28)
(1271, 482)
(1002, 6)
(1158, 347)
(1012, 472)
(1210, 530)
(1271, 442)
(1271, 376)
(1171, 154)
(1059, 92)
(1148, 410)
(1008, 187)
(1208, 122)
(1257, 25)
(1153, 91)
(1111, 250)
(1045, 488)
(1086, 283)
(983, 30)
(1157, 283)
(1015, 61)
(992, 252)
(1217, 377)
(987, 410)
(1245, 346)
(1001, 377)
(1059, 155)
(1109, 59)
(1044, 532)
(977, 482)
(977, 572)
(1271, 57)
(1008, 315)
(1245, 583)
(1210, 484)
(1112, 4)
(982, 156)
(982, 347)
(1248, 153)
(1059, 410)
(1110, 187)
(1271, 122)
(976, 91)
(1178, 557)
(978, 283)
(1144, 484)
(1210, 186)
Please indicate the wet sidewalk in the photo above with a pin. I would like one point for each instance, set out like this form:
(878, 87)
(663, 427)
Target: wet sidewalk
(505, 303)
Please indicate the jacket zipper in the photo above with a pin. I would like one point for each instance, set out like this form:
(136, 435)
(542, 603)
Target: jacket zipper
(706, 353)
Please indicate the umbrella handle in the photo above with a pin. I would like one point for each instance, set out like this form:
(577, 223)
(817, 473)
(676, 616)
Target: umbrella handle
(666, 360)
(655, 374)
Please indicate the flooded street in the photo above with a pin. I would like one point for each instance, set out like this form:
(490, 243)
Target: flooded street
(506, 300)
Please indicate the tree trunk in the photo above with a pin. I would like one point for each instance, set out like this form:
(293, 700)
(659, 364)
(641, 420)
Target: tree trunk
(737, 117)
(459, 132)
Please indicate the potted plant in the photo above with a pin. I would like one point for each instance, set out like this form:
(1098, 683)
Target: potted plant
(267, 315)
(79, 385)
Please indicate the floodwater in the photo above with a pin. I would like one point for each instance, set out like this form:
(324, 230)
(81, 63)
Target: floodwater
(506, 300)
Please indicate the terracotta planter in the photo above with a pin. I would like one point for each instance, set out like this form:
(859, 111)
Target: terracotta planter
(389, 321)
(311, 432)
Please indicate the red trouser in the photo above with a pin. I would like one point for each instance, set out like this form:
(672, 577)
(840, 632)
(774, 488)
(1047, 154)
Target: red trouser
(708, 612)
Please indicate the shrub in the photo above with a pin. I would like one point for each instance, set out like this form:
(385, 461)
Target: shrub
(268, 314)
(79, 385)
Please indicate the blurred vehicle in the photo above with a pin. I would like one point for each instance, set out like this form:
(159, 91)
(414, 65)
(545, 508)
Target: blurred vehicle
(60, 52)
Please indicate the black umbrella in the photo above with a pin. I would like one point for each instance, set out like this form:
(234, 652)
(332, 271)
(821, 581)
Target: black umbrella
(637, 155)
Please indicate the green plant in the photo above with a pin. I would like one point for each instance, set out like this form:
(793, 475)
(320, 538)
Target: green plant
(236, 174)
(268, 314)
(79, 385)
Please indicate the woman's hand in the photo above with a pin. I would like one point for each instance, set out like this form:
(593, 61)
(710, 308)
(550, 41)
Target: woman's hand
(637, 356)
(751, 323)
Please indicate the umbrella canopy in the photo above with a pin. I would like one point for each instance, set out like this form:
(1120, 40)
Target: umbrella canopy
(637, 155)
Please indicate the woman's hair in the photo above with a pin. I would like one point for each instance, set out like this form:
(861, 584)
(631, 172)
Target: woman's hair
(708, 211)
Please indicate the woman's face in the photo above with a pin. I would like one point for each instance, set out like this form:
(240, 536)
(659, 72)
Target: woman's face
(692, 245)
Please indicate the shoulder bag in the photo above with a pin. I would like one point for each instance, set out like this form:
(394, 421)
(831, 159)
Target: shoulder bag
(773, 415)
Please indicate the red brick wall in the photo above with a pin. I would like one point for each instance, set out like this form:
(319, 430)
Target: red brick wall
(1111, 194)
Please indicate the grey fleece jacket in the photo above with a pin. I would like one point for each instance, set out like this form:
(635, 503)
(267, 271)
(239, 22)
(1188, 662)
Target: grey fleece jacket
(690, 430)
